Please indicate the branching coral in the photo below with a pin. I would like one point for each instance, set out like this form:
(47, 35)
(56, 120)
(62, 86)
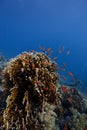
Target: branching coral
(30, 79)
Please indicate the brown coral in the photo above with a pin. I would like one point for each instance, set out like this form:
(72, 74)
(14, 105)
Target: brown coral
(30, 79)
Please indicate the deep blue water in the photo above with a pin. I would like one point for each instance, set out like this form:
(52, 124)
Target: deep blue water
(28, 24)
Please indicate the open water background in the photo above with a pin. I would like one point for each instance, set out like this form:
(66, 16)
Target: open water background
(28, 24)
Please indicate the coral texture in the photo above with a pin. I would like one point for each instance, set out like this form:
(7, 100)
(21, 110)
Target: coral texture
(30, 81)
(33, 99)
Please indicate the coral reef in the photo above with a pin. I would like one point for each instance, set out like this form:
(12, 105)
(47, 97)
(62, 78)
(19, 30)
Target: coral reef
(30, 81)
(2, 65)
(2, 94)
(79, 121)
(33, 99)
(72, 113)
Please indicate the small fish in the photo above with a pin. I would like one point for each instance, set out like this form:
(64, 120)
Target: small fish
(73, 79)
(48, 49)
(64, 78)
(49, 53)
(70, 74)
(44, 63)
(38, 83)
(64, 89)
(26, 61)
(61, 69)
(24, 55)
(46, 89)
(42, 48)
(52, 88)
(58, 76)
(64, 64)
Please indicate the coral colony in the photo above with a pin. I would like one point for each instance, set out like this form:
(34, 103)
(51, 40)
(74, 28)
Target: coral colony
(34, 98)
(31, 81)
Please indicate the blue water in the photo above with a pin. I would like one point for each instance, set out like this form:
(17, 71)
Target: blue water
(28, 24)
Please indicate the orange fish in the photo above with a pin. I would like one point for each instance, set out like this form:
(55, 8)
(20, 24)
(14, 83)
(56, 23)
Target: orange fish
(24, 55)
(64, 64)
(42, 48)
(48, 49)
(25, 61)
(46, 89)
(44, 63)
(73, 79)
(64, 78)
(61, 69)
(49, 53)
(64, 89)
(70, 73)
(52, 88)
(58, 76)
(39, 83)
